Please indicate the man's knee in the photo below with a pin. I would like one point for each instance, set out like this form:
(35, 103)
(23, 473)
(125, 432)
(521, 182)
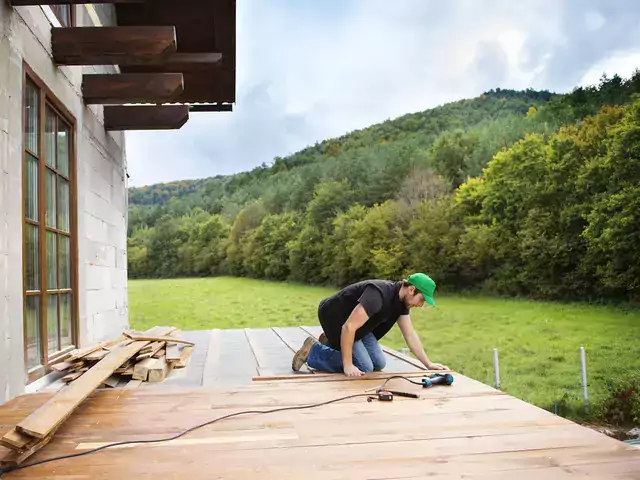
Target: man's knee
(379, 362)
(364, 366)
(361, 358)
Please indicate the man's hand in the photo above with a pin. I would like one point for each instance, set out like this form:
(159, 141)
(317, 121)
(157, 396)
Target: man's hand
(352, 371)
(437, 366)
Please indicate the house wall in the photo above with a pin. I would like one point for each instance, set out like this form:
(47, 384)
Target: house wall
(25, 34)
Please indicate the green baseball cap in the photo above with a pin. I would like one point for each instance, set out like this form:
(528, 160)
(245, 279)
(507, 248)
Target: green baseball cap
(425, 285)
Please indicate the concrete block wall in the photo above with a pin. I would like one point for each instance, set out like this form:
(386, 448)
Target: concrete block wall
(25, 34)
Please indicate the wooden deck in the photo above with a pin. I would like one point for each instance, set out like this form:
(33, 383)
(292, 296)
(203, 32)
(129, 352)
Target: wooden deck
(235, 356)
(467, 430)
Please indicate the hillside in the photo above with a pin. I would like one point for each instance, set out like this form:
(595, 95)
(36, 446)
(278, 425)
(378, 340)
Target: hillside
(416, 129)
(499, 192)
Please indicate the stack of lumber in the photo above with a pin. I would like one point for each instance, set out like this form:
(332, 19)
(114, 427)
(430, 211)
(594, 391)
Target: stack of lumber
(148, 356)
(151, 364)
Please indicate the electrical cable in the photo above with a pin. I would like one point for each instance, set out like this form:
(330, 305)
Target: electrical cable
(400, 376)
(166, 439)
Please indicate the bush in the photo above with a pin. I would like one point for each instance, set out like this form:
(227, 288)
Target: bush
(622, 405)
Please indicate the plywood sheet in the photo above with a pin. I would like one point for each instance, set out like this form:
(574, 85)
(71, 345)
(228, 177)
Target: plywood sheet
(467, 430)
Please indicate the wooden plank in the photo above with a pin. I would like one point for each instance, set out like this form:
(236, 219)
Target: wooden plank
(48, 417)
(311, 377)
(112, 45)
(97, 355)
(62, 366)
(12, 458)
(83, 352)
(173, 352)
(229, 359)
(272, 354)
(112, 381)
(15, 440)
(190, 62)
(185, 357)
(151, 338)
(72, 376)
(293, 337)
(165, 117)
(449, 437)
(141, 369)
(131, 88)
(150, 350)
(159, 371)
(133, 384)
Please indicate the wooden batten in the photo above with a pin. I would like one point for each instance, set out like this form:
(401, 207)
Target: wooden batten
(132, 88)
(138, 45)
(217, 107)
(164, 117)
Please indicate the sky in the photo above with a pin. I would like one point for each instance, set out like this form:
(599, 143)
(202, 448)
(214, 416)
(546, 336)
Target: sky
(311, 70)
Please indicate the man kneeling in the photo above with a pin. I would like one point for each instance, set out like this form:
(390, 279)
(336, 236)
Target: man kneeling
(357, 317)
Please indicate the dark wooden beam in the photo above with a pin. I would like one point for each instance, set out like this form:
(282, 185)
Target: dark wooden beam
(190, 62)
(26, 3)
(164, 117)
(132, 88)
(217, 107)
(112, 45)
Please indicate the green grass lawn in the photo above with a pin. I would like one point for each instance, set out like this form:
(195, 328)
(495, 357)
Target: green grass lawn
(538, 342)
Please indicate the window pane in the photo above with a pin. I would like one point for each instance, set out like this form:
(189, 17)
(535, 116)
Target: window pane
(32, 264)
(64, 217)
(50, 138)
(65, 320)
(65, 262)
(31, 117)
(63, 148)
(52, 323)
(51, 198)
(33, 331)
(31, 192)
(52, 261)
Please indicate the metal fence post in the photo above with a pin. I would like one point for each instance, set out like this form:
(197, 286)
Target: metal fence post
(583, 363)
(496, 368)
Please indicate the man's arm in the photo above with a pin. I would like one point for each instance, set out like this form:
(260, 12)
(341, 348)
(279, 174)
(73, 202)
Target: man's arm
(412, 340)
(356, 320)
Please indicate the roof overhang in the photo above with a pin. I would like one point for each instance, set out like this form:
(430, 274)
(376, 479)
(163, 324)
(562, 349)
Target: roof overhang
(173, 56)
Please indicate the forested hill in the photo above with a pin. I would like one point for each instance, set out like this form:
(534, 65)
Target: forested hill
(414, 129)
(502, 192)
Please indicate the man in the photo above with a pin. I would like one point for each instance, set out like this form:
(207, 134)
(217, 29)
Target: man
(356, 317)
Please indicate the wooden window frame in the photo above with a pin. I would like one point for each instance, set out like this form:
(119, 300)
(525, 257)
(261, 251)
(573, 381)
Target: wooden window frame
(46, 99)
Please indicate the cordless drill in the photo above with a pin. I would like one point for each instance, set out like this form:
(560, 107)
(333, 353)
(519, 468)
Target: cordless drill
(437, 379)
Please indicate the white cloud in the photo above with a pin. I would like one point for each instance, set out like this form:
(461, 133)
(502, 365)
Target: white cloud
(311, 70)
(623, 63)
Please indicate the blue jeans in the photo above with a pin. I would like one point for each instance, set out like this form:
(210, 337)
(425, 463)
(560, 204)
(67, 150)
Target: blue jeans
(367, 356)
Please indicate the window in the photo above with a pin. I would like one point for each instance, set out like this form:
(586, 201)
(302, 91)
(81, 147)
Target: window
(64, 14)
(49, 230)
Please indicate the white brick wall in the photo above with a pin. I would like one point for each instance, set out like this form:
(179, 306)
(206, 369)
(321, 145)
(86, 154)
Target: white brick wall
(25, 34)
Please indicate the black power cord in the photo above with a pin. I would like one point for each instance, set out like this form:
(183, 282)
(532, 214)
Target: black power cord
(166, 439)
(402, 377)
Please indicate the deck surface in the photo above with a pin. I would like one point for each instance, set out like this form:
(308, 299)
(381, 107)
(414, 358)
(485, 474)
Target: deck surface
(466, 430)
(235, 356)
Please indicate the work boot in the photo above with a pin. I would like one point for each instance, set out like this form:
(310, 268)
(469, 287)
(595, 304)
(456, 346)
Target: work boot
(323, 339)
(300, 357)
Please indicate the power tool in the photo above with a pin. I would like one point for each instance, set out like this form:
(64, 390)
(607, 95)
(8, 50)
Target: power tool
(437, 379)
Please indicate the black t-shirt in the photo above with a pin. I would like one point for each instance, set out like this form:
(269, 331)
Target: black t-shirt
(380, 300)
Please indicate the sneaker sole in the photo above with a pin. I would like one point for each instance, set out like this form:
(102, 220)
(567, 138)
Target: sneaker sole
(301, 355)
